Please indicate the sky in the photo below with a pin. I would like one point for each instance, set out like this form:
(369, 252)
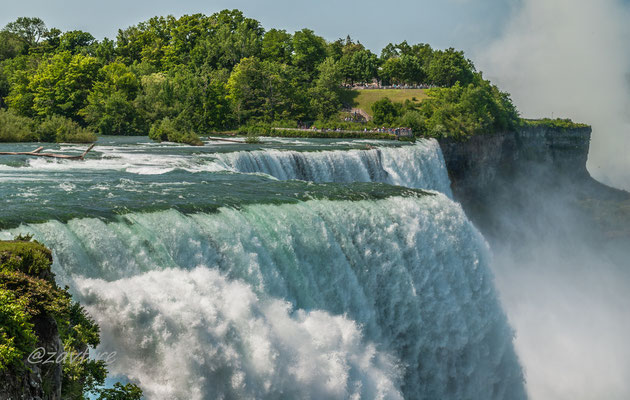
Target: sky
(375, 23)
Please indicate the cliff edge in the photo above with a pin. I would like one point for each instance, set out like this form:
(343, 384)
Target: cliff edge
(535, 173)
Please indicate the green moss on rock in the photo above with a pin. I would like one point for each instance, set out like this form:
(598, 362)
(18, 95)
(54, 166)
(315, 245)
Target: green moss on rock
(36, 313)
(31, 258)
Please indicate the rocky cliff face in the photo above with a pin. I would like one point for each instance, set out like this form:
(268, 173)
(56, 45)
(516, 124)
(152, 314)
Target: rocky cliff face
(481, 163)
(39, 381)
(532, 173)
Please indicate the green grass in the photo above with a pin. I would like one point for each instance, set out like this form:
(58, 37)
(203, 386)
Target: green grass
(558, 123)
(364, 98)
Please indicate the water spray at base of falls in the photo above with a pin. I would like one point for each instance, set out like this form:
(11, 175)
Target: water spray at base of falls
(395, 296)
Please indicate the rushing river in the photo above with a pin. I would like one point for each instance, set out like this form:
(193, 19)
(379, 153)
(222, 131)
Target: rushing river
(293, 269)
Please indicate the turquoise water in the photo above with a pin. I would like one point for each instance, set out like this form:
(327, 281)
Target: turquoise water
(125, 174)
(292, 269)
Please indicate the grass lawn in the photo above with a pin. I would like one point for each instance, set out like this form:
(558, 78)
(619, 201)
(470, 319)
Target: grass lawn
(364, 98)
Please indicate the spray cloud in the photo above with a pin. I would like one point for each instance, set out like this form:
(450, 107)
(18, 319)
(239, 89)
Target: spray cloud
(563, 58)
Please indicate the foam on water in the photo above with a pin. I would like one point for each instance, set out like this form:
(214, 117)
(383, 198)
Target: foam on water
(381, 297)
(418, 166)
(198, 335)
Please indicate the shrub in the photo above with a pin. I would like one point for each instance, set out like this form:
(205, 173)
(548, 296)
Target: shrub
(63, 130)
(27, 257)
(16, 128)
(332, 134)
(558, 123)
(255, 129)
(166, 130)
(16, 332)
(252, 139)
(385, 111)
(463, 111)
(414, 120)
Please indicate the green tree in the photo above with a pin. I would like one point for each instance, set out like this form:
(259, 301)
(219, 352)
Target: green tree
(277, 45)
(325, 95)
(389, 51)
(10, 45)
(385, 111)
(264, 90)
(448, 67)
(144, 42)
(60, 85)
(309, 50)
(29, 30)
(233, 38)
(364, 66)
(468, 110)
(334, 49)
(75, 41)
(184, 34)
(423, 52)
(15, 75)
(121, 392)
(411, 71)
(105, 51)
(110, 109)
(391, 71)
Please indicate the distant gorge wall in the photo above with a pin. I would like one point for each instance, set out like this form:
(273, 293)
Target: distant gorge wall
(520, 173)
(476, 165)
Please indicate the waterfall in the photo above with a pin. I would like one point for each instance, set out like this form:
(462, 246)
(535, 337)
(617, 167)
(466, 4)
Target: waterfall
(419, 166)
(317, 299)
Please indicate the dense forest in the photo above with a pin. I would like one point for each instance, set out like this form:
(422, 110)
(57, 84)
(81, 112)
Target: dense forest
(176, 78)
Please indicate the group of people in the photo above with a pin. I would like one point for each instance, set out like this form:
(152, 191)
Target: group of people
(394, 131)
(379, 86)
(401, 132)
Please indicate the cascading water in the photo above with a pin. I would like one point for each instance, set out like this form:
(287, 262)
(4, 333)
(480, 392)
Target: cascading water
(290, 289)
(418, 166)
(215, 303)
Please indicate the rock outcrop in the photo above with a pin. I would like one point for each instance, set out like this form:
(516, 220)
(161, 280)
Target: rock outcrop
(25, 272)
(534, 173)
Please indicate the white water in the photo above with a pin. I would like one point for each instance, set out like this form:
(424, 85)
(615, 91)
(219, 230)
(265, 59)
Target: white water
(420, 166)
(321, 299)
(196, 334)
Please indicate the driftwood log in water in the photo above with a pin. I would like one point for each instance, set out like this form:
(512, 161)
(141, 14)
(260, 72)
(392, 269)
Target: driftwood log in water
(37, 153)
(226, 140)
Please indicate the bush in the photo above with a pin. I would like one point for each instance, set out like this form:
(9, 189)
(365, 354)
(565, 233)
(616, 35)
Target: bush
(165, 130)
(414, 120)
(63, 130)
(15, 128)
(558, 123)
(252, 139)
(255, 129)
(22, 255)
(463, 111)
(385, 111)
(16, 332)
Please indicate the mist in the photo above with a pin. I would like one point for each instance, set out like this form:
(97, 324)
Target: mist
(566, 291)
(563, 279)
(570, 59)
